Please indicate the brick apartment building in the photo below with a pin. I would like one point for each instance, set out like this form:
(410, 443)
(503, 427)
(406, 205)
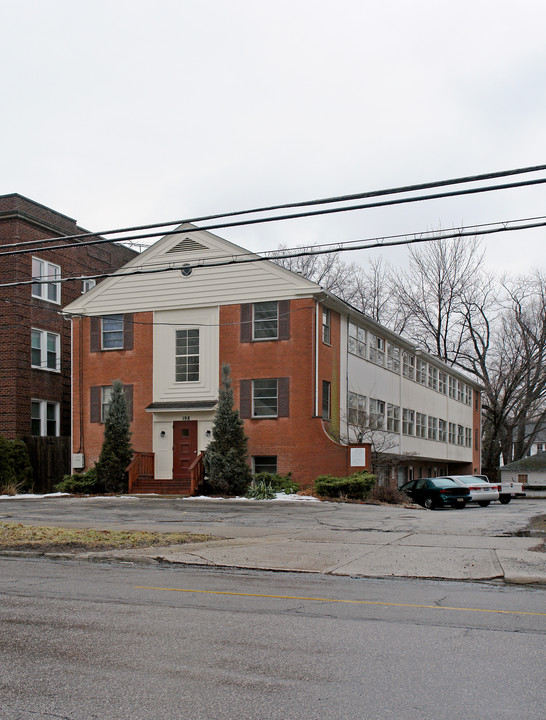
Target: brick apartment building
(310, 373)
(35, 340)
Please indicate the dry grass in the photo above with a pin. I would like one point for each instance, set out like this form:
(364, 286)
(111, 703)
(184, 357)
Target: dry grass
(55, 539)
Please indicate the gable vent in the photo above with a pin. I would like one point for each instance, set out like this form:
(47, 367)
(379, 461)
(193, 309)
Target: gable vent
(186, 245)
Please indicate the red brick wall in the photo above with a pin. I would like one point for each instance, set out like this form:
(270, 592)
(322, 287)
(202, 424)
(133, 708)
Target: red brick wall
(299, 441)
(132, 367)
(24, 220)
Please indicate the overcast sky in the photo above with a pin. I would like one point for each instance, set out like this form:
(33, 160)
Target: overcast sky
(119, 112)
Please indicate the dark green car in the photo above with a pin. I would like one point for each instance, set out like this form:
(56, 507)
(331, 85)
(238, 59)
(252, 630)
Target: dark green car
(436, 492)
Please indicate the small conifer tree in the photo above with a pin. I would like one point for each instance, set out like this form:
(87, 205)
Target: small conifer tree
(226, 461)
(117, 451)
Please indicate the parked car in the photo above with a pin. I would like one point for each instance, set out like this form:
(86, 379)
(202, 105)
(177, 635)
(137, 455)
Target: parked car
(481, 490)
(508, 489)
(436, 492)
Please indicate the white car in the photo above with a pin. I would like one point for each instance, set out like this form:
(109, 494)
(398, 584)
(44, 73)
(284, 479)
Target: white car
(481, 491)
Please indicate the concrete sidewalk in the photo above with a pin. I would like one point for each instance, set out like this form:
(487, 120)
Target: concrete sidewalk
(360, 554)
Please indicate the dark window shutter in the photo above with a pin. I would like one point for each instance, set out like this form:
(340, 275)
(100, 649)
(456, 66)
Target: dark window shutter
(95, 404)
(128, 389)
(246, 323)
(128, 332)
(284, 319)
(245, 401)
(95, 334)
(283, 391)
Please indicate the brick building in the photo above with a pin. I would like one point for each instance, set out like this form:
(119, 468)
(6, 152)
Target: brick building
(35, 339)
(312, 376)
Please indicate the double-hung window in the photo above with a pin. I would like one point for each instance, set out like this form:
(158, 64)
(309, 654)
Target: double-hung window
(326, 400)
(357, 340)
(442, 380)
(460, 435)
(452, 433)
(377, 414)
(377, 349)
(433, 377)
(393, 358)
(112, 332)
(265, 321)
(44, 418)
(357, 409)
(265, 398)
(105, 399)
(452, 388)
(326, 325)
(187, 356)
(421, 373)
(408, 421)
(393, 418)
(408, 365)
(45, 271)
(420, 425)
(45, 350)
(442, 430)
(432, 428)
(468, 437)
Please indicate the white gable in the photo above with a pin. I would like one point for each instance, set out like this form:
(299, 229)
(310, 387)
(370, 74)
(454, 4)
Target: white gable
(190, 269)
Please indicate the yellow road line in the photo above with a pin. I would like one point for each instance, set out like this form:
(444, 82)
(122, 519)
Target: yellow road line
(335, 600)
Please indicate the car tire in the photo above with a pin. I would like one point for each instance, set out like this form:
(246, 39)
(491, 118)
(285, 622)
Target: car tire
(484, 503)
(504, 499)
(429, 504)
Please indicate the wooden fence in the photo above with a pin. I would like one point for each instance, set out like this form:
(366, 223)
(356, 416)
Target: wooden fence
(50, 459)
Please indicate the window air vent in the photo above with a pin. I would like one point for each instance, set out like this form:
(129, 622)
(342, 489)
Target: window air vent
(186, 245)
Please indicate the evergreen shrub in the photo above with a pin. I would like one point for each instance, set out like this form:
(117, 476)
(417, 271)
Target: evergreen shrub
(86, 483)
(355, 487)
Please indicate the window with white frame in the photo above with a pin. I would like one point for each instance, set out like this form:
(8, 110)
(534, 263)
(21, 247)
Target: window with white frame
(468, 395)
(357, 410)
(265, 320)
(44, 418)
(187, 356)
(452, 433)
(460, 391)
(393, 358)
(112, 332)
(432, 377)
(408, 421)
(377, 413)
(87, 284)
(408, 365)
(326, 325)
(442, 382)
(105, 400)
(420, 425)
(460, 435)
(442, 430)
(421, 371)
(393, 418)
(540, 447)
(452, 388)
(265, 398)
(377, 350)
(468, 437)
(45, 350)
(45, 271)
(432, 428)
(357, 340)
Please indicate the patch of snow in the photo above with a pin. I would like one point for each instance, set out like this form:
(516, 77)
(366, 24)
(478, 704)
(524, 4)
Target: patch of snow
(279, 496)
(30, 496)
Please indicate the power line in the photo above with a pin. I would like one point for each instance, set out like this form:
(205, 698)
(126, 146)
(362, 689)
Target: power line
(283, 255)
(321, 201)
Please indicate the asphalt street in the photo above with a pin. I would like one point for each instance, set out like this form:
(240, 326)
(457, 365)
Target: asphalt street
(82, 641)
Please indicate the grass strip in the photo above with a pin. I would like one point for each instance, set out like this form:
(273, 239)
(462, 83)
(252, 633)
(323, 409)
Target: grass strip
(14, 536)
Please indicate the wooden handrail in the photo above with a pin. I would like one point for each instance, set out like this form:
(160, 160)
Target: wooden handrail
(197, 473)
(142, 465)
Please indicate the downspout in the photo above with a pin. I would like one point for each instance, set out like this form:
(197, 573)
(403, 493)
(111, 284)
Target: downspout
(80, 383)
(316, 357)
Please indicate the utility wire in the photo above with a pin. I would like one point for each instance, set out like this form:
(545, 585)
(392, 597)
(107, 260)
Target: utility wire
(283, 255)
(321, 201)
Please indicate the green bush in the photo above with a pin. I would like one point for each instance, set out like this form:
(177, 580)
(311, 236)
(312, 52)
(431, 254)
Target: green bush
(81, 483)
(15, 467)
(278, 483)
(355, 487)
(261, 490)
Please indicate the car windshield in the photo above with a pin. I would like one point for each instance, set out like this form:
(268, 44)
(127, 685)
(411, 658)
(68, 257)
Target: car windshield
(471, 480)
(443, 483)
